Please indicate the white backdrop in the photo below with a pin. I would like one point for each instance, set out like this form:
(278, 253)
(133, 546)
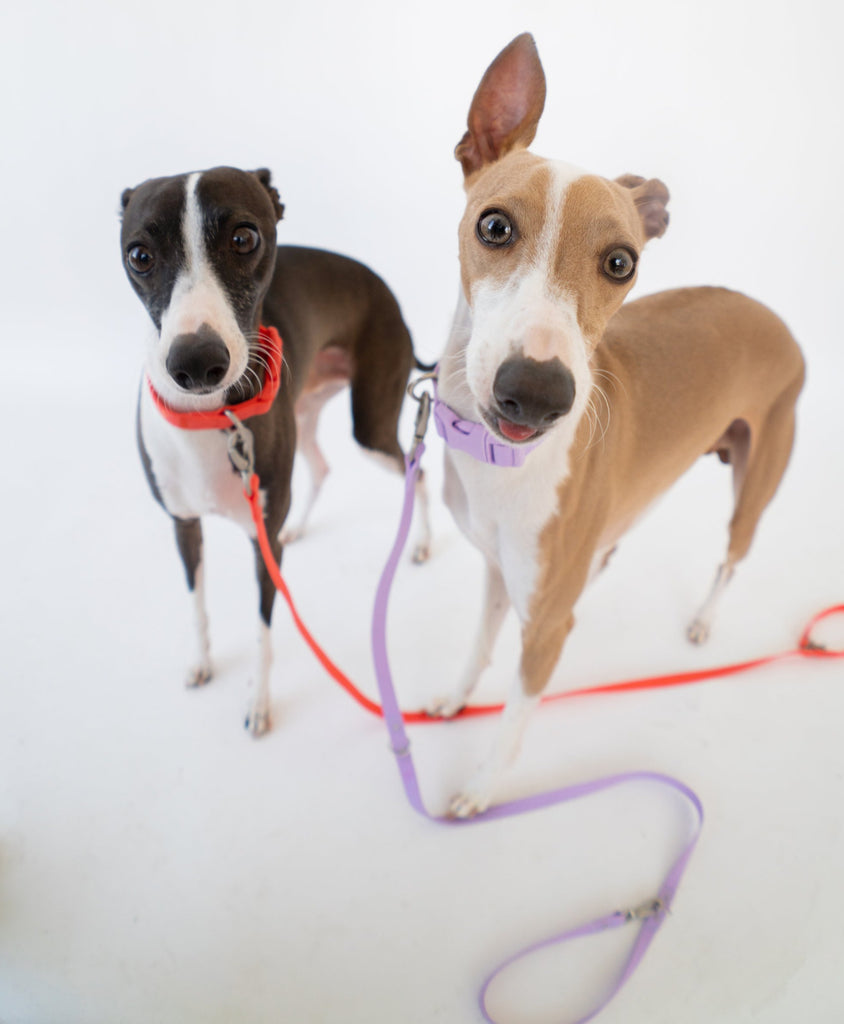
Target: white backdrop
(157, 865)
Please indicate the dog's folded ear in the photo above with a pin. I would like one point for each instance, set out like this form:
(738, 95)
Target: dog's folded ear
(125, 196)
(650, 197)
(506, 108)
(264, 176)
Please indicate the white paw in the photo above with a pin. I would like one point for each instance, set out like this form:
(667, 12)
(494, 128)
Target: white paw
(258, 721)
(468, 804)
(698, 632)
(444, 707)
(290, 534)
(198, 675)
(421, 553)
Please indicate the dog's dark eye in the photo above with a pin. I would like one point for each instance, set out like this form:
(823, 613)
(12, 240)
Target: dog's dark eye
(140, 259)
(245, 239)
(619, 264)
(495, 228)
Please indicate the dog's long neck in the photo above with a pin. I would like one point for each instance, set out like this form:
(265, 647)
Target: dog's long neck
(453, 385)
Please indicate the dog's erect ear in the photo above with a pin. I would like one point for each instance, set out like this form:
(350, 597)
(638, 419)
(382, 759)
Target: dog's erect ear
(125, 196)
(264, 176)
(650, 198)
(506, 108)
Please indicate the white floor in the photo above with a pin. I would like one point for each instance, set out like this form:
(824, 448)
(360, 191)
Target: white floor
(157, 864)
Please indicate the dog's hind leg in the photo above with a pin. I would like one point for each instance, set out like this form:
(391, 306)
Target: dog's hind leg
(759, 458)
(308, 410)
(189, 543)
(377, 399)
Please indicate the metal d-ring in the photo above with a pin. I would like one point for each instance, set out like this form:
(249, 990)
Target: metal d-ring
(421, 379)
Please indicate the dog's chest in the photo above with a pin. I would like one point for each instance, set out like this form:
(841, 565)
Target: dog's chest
(503, 511)
(192, 469)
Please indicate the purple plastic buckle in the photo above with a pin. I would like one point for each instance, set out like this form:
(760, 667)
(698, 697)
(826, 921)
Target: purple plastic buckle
(476, 440)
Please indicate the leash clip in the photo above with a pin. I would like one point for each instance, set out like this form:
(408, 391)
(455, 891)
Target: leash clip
(650, 908)
(242, 451)
(423, 413)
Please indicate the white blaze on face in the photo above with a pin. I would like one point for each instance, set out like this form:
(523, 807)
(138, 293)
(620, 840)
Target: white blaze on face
(529, 313)
(198, 298)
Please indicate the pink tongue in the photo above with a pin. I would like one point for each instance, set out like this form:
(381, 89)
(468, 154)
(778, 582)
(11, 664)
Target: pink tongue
(515, 432)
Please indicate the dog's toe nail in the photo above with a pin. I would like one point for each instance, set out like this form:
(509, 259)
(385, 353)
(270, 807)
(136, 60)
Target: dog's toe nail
(421, 554)
(198, 676)
(467, 805)
(442, 707)
(698, 632)
(258, 722)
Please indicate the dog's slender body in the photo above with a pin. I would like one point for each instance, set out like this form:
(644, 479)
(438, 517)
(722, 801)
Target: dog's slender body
(200, 251)
(624, 398)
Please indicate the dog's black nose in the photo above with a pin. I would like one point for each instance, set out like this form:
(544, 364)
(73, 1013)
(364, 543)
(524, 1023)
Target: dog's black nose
(198, 362)
(533, 393)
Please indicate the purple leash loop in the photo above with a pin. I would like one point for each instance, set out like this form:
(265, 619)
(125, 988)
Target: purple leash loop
(653, 912)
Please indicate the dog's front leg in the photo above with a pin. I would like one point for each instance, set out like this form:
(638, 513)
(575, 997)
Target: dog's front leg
(476, 797)
(496, 604)
(547, 618)
(523, 697)
(189, 543)
(258, 715)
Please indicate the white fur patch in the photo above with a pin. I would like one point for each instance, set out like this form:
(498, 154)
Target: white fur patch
(198, 298)
(192, 469)
(531, 315)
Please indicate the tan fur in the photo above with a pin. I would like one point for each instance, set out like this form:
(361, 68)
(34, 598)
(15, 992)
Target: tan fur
(681, 367)
(668, 378)
(521, 186)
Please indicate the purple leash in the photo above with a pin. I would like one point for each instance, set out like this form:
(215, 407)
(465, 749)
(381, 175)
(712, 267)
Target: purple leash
(652, 913)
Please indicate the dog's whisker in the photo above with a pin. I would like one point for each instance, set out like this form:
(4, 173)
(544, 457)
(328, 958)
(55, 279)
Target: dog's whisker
(601, 394)
(456, 377)
(611, 378)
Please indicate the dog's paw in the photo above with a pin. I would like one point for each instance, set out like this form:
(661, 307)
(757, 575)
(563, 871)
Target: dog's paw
(257, 721)
(290, 534)
(698, 632)
(421, 554)
(444, 707)
(468, 804)
(198, 675)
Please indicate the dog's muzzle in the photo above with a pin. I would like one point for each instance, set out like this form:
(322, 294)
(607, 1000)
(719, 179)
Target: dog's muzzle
(532, 395)
(198, 362)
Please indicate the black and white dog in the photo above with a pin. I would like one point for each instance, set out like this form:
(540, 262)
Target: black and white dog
(199, 249)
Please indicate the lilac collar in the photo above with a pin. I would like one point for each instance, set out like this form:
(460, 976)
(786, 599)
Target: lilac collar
(475, 439)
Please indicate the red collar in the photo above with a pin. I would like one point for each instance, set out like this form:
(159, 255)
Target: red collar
(217, 418)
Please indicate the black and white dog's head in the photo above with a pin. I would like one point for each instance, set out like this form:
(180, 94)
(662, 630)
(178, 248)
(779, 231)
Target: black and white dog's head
(199, 249)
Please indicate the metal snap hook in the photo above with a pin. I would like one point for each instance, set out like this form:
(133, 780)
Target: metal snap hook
(241, 446)
(421, 379)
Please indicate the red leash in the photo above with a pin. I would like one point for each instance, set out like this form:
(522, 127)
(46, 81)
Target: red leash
(649, 916)
(240, 451)
(806, 648)
(241, 454)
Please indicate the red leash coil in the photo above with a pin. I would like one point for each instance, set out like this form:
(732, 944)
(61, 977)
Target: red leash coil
(806, 648)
